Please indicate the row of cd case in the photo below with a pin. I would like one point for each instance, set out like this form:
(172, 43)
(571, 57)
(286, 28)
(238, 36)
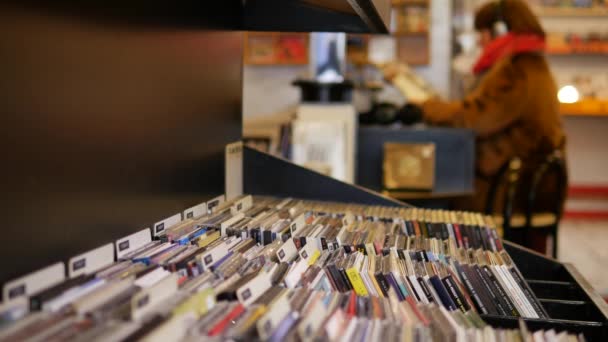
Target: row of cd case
(268, 268)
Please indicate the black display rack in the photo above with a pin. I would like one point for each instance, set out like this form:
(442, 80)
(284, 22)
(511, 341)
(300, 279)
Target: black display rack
(268, 175)
(569, 300)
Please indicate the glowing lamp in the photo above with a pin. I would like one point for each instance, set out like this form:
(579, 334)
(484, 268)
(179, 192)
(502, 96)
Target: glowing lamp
(568, 94)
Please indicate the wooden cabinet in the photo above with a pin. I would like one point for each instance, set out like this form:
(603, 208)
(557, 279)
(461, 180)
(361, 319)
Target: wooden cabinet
(410, 28)
(276, 48)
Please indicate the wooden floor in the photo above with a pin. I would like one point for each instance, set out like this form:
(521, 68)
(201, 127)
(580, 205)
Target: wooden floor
(585, 244)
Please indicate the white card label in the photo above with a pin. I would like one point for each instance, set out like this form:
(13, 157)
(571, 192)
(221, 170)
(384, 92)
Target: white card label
(288, 251)
(348, 219)
(34, 282)
(152, 278)
(196, 211)
(224, 225)
(241, 205)
(295, 274)
(311, 323)
(132, 242)
(250, 292)
(270, 321)
(144, 301)
(234, 170)
(213, 204)
(336, 324)
(283, 203)
(161, 226)
(298, 224)
(309, 250)
(91, 261)
(217, 253)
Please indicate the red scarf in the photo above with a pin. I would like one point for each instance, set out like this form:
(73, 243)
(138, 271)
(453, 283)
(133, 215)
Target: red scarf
(507, 45)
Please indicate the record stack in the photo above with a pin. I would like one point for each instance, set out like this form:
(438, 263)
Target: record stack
(283, 269)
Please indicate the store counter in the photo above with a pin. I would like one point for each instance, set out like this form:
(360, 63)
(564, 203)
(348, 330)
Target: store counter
(454, 160)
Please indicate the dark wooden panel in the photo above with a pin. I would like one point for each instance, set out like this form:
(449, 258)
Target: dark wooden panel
(106, 128)
(355, 16)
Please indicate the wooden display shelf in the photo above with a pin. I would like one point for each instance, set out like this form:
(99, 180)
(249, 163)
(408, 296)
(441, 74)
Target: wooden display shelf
(413, 47)
(420, 62)
(575, 53)
(571, 11)
(585, 108)
(402, 195)
(410, 34)
(276, 48)
(410, 2)
(594, 49)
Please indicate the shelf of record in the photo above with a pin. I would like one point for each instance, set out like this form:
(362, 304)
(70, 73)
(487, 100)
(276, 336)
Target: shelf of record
(259, 268)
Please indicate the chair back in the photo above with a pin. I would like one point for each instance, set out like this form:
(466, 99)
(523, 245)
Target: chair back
(552, 169)
(508, 177)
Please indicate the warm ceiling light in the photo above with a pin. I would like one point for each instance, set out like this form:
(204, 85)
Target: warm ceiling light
(568, 94)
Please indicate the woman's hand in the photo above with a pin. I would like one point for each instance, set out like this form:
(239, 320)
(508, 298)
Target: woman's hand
(389, 70)
(407, 82)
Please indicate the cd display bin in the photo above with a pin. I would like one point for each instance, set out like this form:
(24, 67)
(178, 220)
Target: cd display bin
(84, 164)
(568, 298)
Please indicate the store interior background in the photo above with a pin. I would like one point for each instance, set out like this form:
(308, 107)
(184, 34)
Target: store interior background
(582, 232)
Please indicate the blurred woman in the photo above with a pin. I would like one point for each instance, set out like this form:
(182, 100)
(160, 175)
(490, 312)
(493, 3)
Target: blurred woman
(514, 109)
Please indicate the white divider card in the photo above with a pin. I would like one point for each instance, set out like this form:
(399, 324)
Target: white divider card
(294, 275)
(268, 323)
(91, 261)
(315, 239)
(89, 303)
(336, 323)
(340, 235)
(351, 327)
(236, 218)
(217, 253)
(17, 308)
(234, 170)
(242, 205)
(213, 204)
(152, 278)
(283, 203)
(173, 329)
(310, 252)
(144, 301)
(161, 226)
(298, 224)
(311, 322)
(288, 251)
(401, 224)
(348, 219)
(132, 242)
(284, 233)
(250, 292)
(34, 282)
(312, 240)
(376, 332)
(196, 211)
